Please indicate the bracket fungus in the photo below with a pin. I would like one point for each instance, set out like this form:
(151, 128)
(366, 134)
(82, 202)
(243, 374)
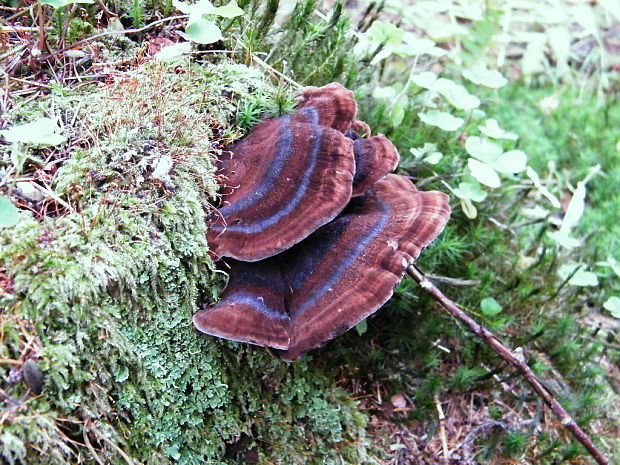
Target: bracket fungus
(319, 233)
(335, 278)
(286, 179)
(295, 173)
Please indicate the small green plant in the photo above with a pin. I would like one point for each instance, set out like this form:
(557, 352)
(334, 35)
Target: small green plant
(38, 133)
(436, 99)
(9, 215)
(201, 27)
(63, 3)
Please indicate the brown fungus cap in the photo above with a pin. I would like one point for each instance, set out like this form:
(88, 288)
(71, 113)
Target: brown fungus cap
(374, 158)
(293, 174)
(282, 182)
(332, 105)
(252, 307)
(335, 278)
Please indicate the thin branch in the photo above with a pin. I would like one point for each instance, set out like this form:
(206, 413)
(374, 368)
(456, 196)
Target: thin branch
(504, 352)
(442, 430)
(275, 71)
(110, 33)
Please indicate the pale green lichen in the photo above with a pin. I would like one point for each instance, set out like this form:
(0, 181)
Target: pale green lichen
(107, 291)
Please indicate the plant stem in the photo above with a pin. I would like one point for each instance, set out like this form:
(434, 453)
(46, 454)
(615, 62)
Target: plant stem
(504, 352)
(42, 33)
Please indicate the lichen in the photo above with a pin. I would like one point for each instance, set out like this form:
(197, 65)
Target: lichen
(102, 294)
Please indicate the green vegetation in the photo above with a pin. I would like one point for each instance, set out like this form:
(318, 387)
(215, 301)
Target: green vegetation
(104, 283)
(106, 178)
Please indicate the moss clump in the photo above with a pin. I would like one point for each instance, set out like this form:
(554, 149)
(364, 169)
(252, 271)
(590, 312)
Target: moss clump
(101, 294)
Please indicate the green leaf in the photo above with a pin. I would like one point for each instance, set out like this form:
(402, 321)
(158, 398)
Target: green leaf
(492, 129)
(385, 93)
(173, 452)
(483, 149)
(202, 31)
(433, 158)
(490, 307)
(63, 3)
(42, 131)
(533, 175)
(398, 110)
(426, 79)
(575, 208)
(170, 52)
(471, 191)
(485, 77)
(458, 96)
(231, 10)
(564, 239)
(581, 276)
(584, 278)
(612, 263)
(469, 209)
(361, 327)
(612, 305)
(194, 10)
(9, 215)
(577, 204)
(513, 161)
(414, 45)
(378, 34)
(483, 173)
(428, 153)
(441, 119)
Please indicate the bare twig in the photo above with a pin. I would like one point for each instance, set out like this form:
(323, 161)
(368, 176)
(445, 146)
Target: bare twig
(110, 33)
(275, 71)
(9, 29)
(42, 33)
(504, 352)
(442, 430)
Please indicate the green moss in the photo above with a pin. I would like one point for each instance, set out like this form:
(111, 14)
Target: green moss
(107, 290)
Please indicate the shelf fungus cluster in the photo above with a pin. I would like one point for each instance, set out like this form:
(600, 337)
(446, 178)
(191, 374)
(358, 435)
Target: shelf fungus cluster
(318, 233)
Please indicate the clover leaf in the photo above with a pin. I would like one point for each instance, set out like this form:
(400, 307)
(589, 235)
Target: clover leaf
(579, 275)
(612, 305)
(413, 45)
(490, 159)
(426, 79)
(490, 307)
(482, 76)
(492, 129)
(202, 31)
(428, 153)
(42, 131)
(441, 119)
(483, 173)
(471, 191)
(456, 94)
(380, 34)
(200, 28)
(9, 214)
(63, 3)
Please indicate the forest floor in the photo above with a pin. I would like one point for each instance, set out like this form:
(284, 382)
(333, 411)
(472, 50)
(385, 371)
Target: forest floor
(107, 262)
